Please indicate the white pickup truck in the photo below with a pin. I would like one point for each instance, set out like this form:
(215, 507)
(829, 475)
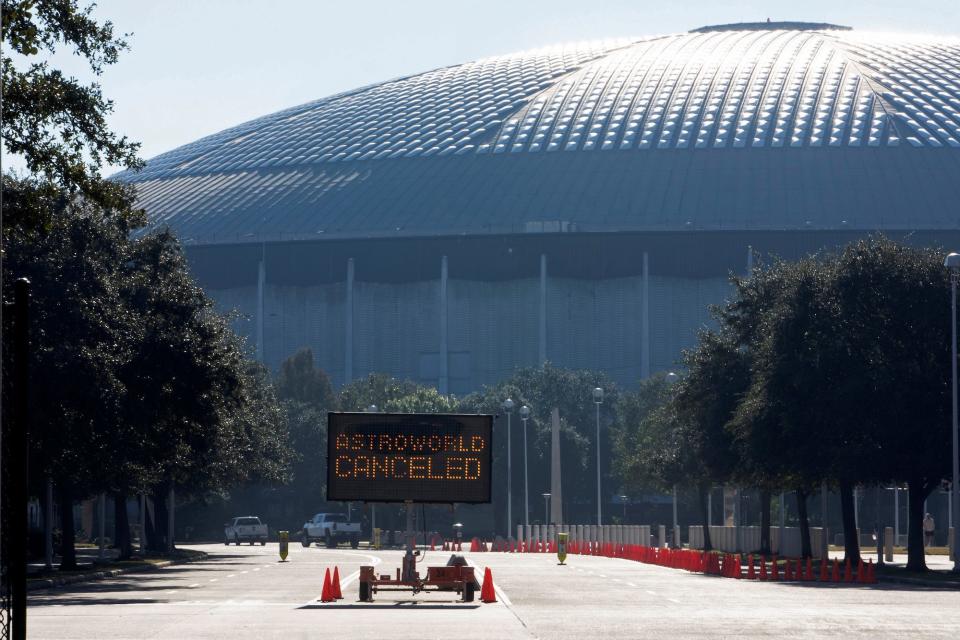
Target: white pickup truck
(245, 529)
(332, 529)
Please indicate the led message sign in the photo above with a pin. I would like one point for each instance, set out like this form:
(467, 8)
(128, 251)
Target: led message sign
(396, 457)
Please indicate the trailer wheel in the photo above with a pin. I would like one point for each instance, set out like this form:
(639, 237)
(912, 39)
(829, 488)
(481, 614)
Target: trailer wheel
(365, 592)
(305, 539)
(354, 542)
(236, 540)
(468, 591)
(331, 541)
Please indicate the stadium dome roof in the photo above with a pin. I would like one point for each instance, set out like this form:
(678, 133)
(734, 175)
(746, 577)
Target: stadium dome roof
(726, 127)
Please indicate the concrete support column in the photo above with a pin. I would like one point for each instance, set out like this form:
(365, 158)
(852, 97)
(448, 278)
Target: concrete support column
(645, 319)
(444, 375)
(542, 352)
(519, 532)
(825, 538)
(261, 284)
(662, 535)
(348, 328)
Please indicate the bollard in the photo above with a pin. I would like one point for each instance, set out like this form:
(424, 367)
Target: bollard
(562, 547)
(284, 537)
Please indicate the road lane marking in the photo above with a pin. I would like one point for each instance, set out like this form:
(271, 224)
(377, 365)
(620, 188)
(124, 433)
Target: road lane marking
(214, 579)
(601, 575)
(653, 593)
(195, 584)
(257, 569)
(232, 575)
(630, 584)
(501, 594)
(244, 572)
(674, 601)
(172, 591)
(345, 582)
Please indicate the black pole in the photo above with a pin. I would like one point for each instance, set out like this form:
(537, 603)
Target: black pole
(18, 449)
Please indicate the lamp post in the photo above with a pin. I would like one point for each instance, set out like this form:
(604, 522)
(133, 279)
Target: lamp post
(598, 400)
(373, 505)
(672, 379)
(508, 407)
(525, 415)
(546, 508)
(952, 263)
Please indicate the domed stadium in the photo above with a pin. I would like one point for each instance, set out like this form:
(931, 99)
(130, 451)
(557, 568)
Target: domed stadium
(580, 204)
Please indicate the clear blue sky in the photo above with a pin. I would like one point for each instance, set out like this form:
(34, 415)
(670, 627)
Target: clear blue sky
(198, 66)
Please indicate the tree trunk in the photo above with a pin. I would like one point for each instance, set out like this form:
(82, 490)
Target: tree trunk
(851, 542)
(702, 491)
(916, 555)
(805, 548)
(765, 522)
(121, 526)
(160, 517)
(68, 555)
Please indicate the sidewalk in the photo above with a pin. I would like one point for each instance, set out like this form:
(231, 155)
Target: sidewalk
(941, 568)
(91, 568)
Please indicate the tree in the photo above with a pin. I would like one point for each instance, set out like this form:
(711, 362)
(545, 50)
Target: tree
(55, 123)
(542, 389)
(718, 373)
(299, 379)
(80, 337)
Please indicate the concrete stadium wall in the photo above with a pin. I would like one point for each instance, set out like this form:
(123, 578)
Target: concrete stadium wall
(493, 328)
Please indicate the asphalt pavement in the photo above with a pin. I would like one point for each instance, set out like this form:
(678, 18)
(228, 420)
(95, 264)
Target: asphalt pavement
(245, 592)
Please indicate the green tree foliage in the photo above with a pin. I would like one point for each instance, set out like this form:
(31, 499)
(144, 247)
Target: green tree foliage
(300, 380)
(542, 389)
(55, 123)
(137, 382)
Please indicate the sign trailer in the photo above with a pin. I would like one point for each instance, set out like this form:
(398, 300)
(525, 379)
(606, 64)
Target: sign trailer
(411, 458)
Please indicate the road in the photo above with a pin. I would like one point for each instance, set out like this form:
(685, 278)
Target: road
(244, 592)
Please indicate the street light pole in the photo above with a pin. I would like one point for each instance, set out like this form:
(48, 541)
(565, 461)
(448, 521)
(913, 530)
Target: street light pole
(546, 508)
(598, 400)
(952, 262)
(508, 407)
(524, 415)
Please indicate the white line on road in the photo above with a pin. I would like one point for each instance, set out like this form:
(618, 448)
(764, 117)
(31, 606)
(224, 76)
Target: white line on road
(172, 591)
(674, 601)
(257, 569)
(630, 584)
(214, 579)
(232, 575)
(653, 593)
(195, 584)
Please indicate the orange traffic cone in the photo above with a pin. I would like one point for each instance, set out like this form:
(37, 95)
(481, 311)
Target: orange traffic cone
(861, 572)
(823, 570)
(871, 573)
(763, 567)
(335, 584)
(326, 595)
(487, 592)
(774, 569)
(835, 575)
(809, 575)
(847, 572)
(751, 574)
(787, 573)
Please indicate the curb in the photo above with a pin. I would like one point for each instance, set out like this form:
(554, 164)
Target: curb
(52, 583)
(919, 582)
